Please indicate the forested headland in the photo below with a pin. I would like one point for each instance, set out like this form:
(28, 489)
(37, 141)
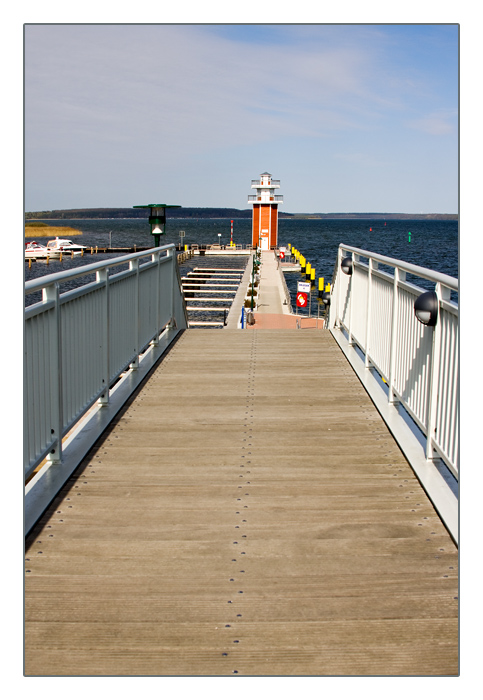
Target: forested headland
(219, 213)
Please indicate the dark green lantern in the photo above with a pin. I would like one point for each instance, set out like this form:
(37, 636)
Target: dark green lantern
(157, 218)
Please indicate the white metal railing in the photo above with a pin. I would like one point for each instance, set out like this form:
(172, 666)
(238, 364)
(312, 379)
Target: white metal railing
(419, 363)
(269, 183)
(265, 198)
(77, 343)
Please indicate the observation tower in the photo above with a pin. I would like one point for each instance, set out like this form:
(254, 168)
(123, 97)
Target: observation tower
(265, 212)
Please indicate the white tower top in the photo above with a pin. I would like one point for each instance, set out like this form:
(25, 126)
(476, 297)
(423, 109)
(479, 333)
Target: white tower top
(265, 187)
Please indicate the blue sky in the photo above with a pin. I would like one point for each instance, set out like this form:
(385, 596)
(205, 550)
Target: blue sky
(348, 117)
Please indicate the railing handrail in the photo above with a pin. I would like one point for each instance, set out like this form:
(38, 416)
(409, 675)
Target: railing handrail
(372, 317)
(381, 321)
(258, 198)
(66, 275)
(423, 272)
(79, 343)
(258, 183)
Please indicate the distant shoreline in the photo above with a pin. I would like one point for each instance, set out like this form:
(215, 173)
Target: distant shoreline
(223, 213)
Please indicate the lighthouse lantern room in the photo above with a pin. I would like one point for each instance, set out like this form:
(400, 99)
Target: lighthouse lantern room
(265, 212)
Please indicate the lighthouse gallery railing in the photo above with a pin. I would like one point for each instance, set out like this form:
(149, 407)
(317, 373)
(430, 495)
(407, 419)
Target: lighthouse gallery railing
(79, 342)
(419, 364)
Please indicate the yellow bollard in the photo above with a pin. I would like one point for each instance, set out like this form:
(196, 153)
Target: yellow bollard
(307, 271)
(312, 276)
(30, 263)
(327, 287)
(60, 257)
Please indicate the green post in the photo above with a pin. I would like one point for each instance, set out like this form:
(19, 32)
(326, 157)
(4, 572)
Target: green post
(157, 218)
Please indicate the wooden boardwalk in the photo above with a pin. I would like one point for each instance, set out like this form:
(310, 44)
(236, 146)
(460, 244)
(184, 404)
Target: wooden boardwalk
(248, 513)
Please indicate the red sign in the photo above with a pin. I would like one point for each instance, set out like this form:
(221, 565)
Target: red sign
(301, 299)
(282, 255)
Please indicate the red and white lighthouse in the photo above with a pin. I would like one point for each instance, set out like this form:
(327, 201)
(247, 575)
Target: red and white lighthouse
(265, 212)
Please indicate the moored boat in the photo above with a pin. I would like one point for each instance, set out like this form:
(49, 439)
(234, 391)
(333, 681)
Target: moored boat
(34, 250)
(64, 245)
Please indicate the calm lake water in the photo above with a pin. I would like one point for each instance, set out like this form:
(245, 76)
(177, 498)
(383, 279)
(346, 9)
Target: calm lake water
(433, 244)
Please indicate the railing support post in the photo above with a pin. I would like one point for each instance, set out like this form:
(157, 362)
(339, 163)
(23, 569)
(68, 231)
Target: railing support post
(155, 258)
(51, 294)
(103, 276)
(134, 265)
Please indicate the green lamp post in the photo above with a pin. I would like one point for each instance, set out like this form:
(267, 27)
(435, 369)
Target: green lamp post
(157, 218)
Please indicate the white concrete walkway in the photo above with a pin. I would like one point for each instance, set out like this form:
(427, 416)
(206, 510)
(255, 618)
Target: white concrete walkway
(272, 292)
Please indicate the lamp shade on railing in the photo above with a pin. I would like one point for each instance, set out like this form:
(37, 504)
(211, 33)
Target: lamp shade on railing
(426, 308)
(346, 265)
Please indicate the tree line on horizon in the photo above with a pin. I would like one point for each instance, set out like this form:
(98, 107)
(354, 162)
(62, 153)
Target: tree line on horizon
(216, 213)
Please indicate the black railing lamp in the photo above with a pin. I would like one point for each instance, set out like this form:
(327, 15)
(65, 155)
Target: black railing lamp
(346, 265)
(157, 218)
(426, 308)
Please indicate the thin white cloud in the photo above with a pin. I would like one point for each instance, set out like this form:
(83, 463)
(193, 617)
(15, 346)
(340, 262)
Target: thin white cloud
(436, 123)
(170, 82)
(154, 99)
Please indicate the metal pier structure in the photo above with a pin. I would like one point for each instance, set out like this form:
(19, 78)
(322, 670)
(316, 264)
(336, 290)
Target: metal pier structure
(231, 502)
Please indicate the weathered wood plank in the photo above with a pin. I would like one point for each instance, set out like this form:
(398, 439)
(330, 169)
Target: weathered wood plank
(248, 512)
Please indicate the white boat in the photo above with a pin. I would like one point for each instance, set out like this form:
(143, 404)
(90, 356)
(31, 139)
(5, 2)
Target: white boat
(34, 250)
(64, 245)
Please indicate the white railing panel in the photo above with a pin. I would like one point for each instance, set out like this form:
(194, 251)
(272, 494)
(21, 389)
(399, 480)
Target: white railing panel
(413, 359)
(82, 348)
(122, 322)
(78, 343)
(447, 416)
(38, 405)
(148, 290)
(342, 299)
(155, 292)
(359, 297)
(419, 363)
(381, 323)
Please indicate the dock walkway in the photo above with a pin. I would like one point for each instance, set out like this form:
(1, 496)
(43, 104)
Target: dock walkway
(248, 512)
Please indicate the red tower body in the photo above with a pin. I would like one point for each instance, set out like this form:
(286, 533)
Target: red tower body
(265, 212)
